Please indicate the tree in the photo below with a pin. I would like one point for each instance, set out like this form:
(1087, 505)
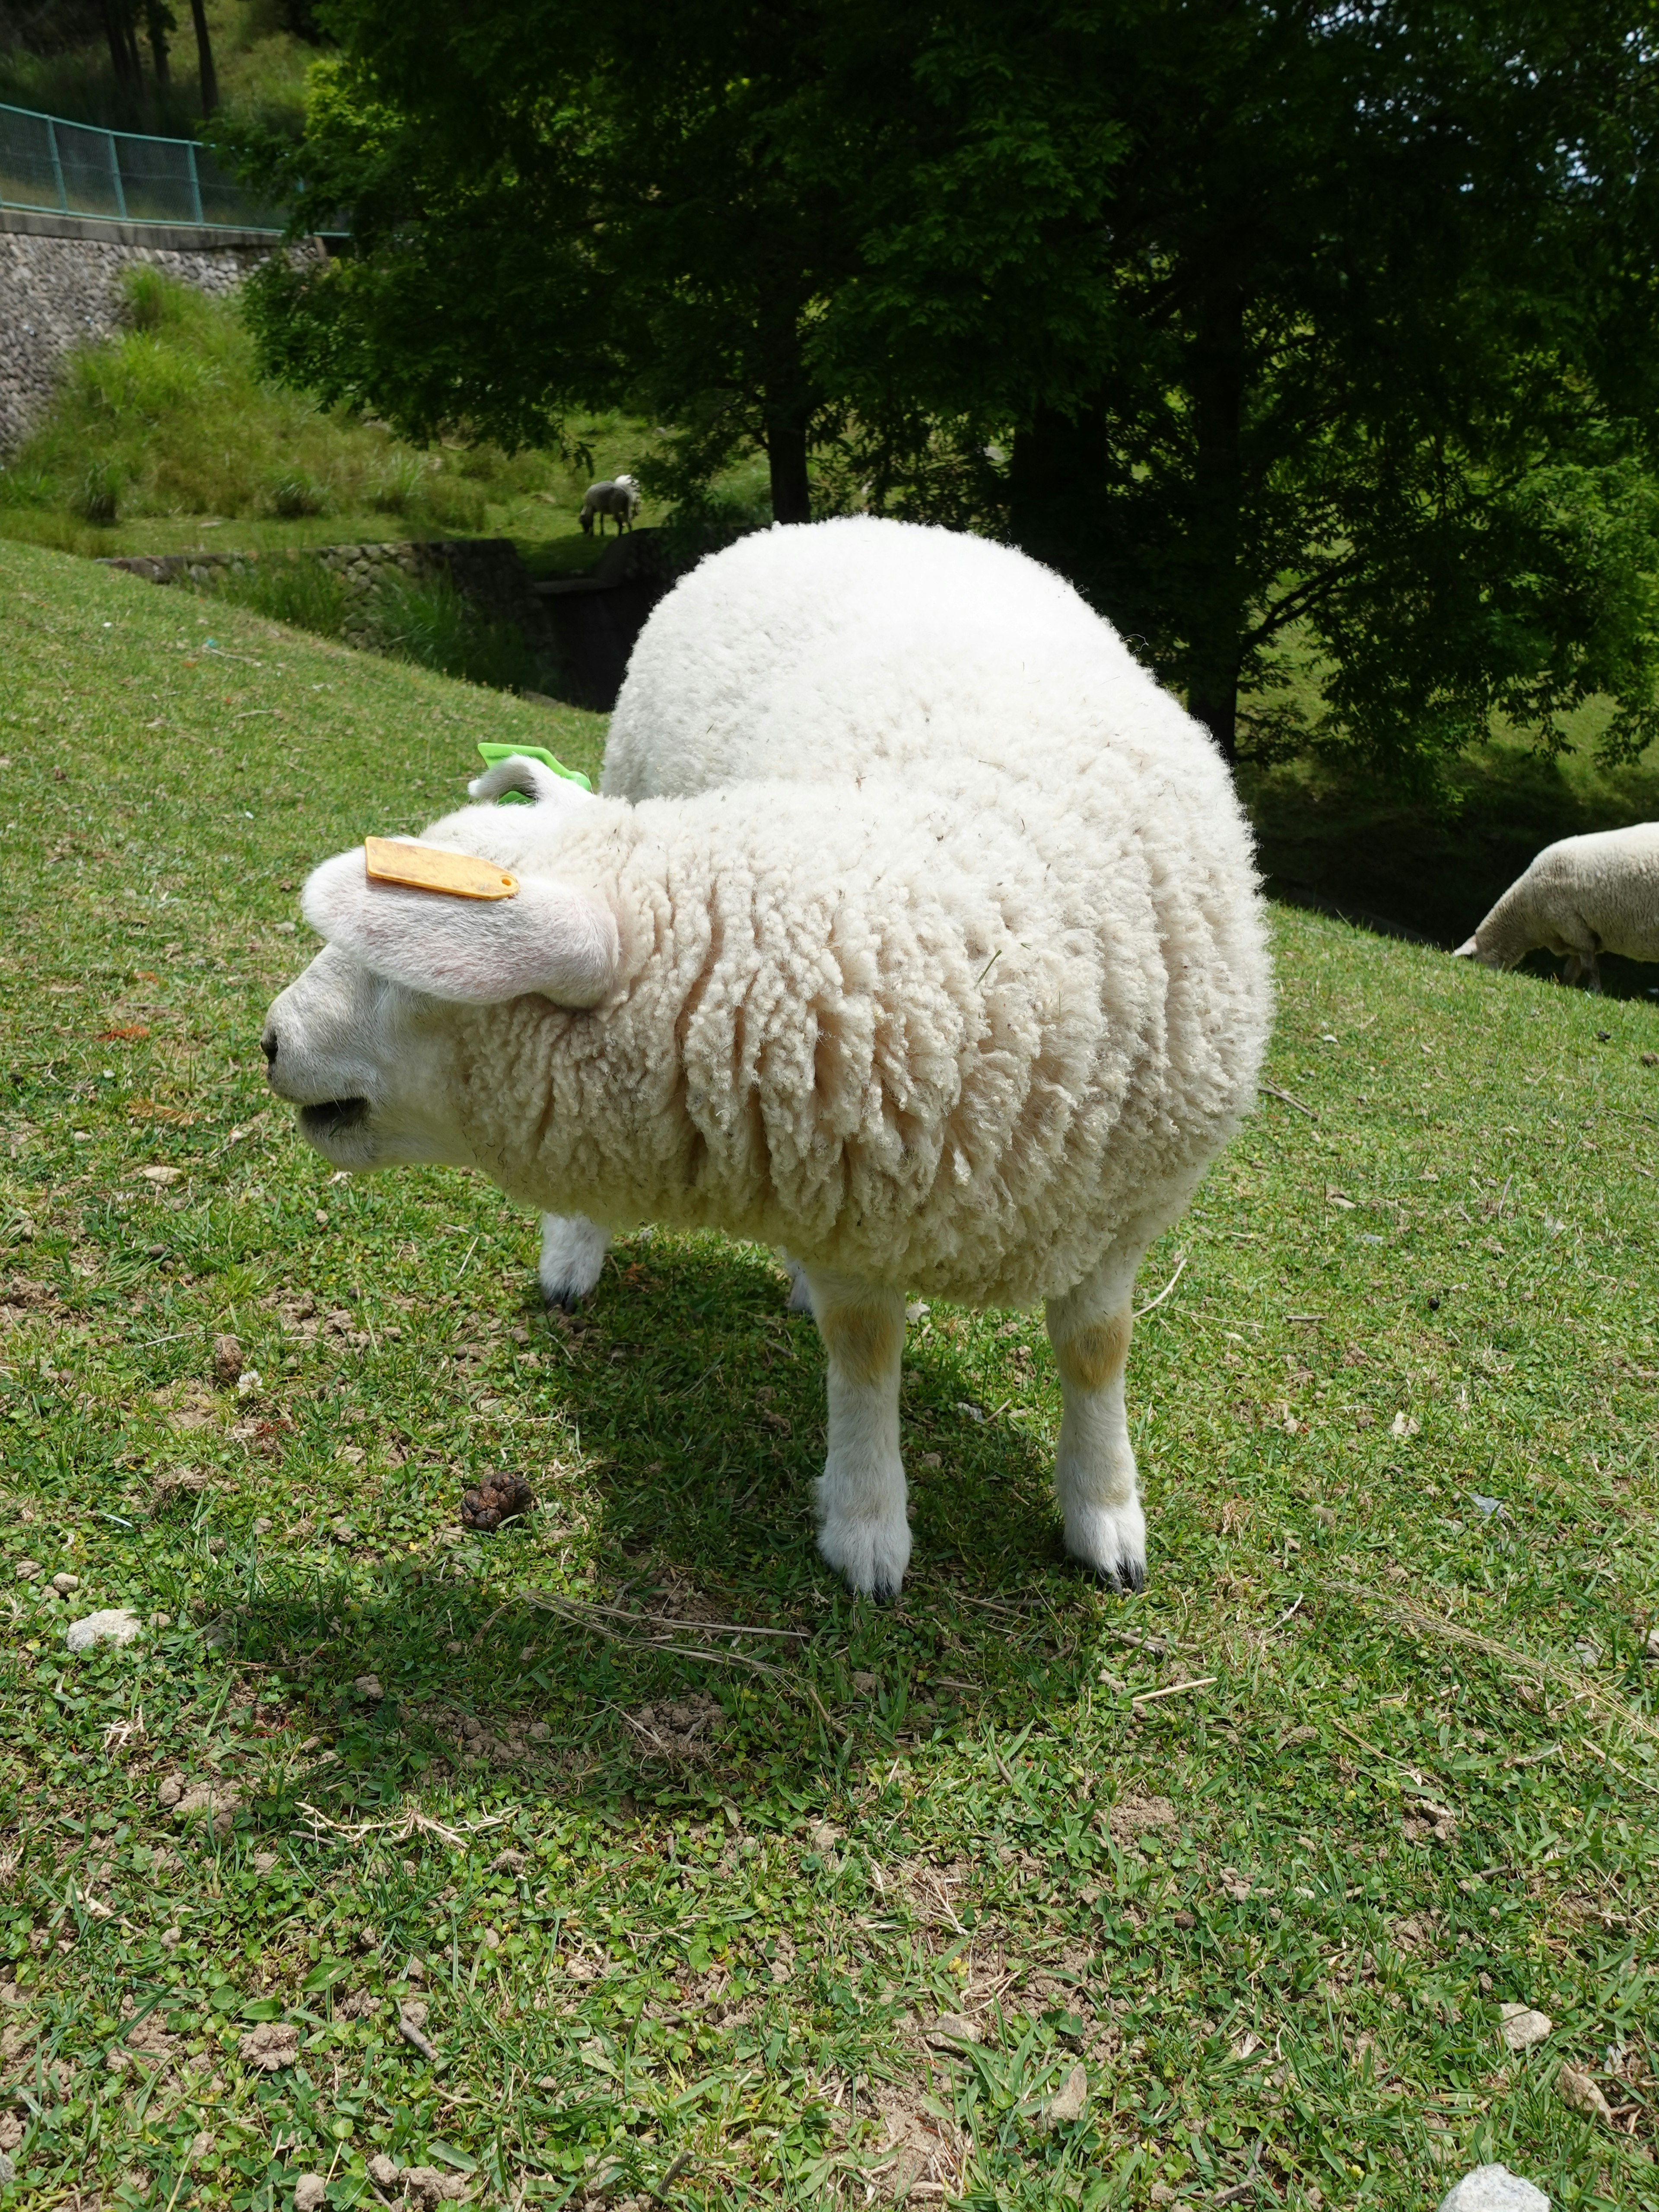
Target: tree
(532, 235)
(1308, 341)
(206, 76)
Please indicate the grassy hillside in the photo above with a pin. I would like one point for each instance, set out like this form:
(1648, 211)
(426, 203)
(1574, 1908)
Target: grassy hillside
(165, 438)
(1262, 1853)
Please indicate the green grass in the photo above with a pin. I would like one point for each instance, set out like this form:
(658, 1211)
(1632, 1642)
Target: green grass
(1273, 1916)
(167, 433)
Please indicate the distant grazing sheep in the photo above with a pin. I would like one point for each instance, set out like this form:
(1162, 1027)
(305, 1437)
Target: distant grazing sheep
(617, 495)
(1580, 898)
(915, 929)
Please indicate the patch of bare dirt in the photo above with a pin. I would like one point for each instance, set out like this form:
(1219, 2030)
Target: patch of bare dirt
(683, 1731)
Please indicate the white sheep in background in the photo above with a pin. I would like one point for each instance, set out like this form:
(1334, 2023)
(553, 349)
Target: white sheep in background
(916, 929)
(1581, 897)
(617, 495)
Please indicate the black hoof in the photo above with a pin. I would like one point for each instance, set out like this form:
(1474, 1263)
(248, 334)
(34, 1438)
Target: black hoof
(565, 1301)
(1129, 1576)
(884, 1594)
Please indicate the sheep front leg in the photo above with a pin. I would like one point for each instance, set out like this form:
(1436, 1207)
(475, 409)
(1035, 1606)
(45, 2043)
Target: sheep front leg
(1095, 1466)
(863, 1528)
(573, 1253)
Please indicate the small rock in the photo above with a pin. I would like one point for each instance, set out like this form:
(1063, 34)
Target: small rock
(867, 1685)
(367, 1687)
(161, 1620)
(264, 1862)
(1326, 1516)
(1575, 2088)
(119, 1625)
(1494, 2189)
(1650, 1649)
(383, 2172)
(1650, 1059)
(172, 1938)
(309, 2192)
(26, 1570)
(272, 2045)
(508, 1862)
(162, 1178)
(8, 2170)
(414, 2010)
(64, 1584)
(953, 2028)
(227, 1360)
(1523, 2026)
(1071, 2101)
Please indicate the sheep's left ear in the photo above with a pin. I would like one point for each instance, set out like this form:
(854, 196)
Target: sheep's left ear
(550, 938)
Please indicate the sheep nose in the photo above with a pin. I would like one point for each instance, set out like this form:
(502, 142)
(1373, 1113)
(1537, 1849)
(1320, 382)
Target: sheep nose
(268, 1046)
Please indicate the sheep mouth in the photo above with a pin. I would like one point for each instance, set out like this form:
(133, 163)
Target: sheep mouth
(332, 1118)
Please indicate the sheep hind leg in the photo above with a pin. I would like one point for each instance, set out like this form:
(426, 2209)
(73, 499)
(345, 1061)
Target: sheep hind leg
(1095, 1465)
(864, 1530)
(573, 1254)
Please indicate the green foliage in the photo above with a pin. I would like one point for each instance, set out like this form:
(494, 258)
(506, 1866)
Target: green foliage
(296, 589)
(98, 497)
(428, 620)
(173, 416)
(56, 61)
(1394, 1423)
(1315, 342)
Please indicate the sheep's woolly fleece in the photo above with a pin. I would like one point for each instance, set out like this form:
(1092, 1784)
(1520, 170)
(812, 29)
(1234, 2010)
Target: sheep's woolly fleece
(939, 959)
(1580, 896)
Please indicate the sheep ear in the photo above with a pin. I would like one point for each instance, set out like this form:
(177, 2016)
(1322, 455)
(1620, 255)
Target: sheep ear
(523, 777)
(550, 938)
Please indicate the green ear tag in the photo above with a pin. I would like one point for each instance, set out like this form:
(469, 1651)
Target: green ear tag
(490, 754)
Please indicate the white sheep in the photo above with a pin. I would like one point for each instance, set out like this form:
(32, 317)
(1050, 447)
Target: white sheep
(616, 495)
(916, 930)
(1581, 897)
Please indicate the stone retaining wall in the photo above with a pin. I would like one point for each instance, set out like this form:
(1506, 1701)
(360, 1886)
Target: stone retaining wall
(487, 570)
(60, 290)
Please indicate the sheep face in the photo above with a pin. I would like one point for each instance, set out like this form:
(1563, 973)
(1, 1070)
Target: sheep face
(365, 1042)
(366, 1061)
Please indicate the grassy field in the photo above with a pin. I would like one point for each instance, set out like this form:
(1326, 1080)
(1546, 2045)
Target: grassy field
(691, 1869)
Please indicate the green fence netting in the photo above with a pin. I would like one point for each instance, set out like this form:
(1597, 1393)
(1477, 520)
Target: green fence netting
(53, 167)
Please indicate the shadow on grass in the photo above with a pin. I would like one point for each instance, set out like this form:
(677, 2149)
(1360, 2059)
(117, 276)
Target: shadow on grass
(708, 1653)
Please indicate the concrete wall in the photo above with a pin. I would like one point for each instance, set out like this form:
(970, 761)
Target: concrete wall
(60, 285)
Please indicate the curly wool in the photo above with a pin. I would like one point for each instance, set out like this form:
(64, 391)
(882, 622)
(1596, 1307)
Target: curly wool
(942, 957)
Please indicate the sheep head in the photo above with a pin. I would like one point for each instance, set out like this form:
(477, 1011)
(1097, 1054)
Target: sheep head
(364, 1042)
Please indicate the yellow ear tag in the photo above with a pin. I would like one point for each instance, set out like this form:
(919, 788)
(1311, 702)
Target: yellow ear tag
(424, 868)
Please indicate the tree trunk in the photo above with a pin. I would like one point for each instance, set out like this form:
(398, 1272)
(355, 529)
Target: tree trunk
(1216, 616)
(123, 46)
(786, 458)
(206, 74)
(155, 21)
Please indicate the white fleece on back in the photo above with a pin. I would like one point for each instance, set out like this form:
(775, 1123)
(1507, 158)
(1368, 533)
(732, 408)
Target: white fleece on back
(942, 957)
